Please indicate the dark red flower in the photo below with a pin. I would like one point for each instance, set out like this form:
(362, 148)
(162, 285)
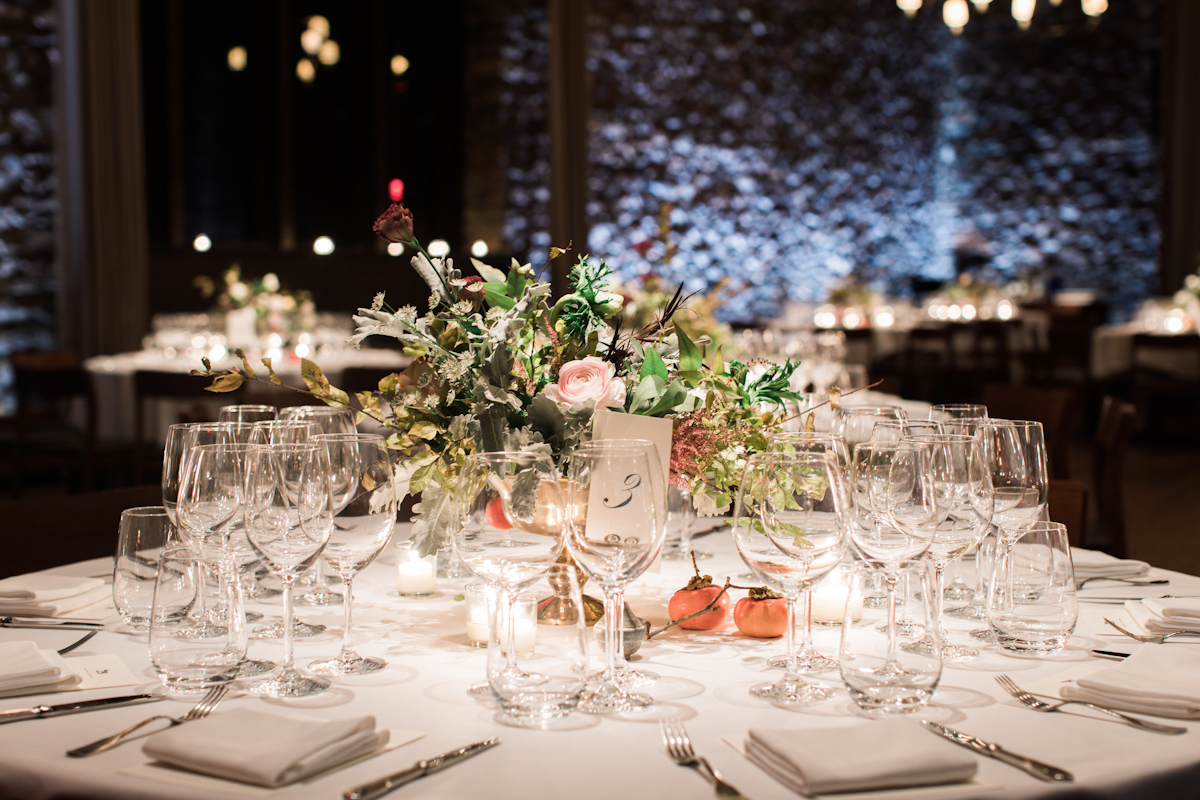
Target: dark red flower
(396, 224)
(643, 246)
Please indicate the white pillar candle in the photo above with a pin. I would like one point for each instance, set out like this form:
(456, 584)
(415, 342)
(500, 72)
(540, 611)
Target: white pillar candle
(829, 602)
(415, 576)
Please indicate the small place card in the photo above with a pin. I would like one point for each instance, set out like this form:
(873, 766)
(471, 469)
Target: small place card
(101, 672)
(614, 510)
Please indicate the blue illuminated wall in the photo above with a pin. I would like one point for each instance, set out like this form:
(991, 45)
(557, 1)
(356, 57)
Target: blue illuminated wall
(798, 141)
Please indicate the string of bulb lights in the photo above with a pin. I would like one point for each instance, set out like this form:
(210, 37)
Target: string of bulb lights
(956, 13)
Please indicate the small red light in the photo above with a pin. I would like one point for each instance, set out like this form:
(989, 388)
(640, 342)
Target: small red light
(396, 190)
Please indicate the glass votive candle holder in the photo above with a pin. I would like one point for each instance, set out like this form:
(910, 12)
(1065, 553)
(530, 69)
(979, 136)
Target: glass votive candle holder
(481, 606)
(416, 576)
(833, 594)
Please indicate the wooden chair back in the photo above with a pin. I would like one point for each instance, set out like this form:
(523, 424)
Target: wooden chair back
(1067, 504)
(1049, 406)
(1117, 421)
(46, 385)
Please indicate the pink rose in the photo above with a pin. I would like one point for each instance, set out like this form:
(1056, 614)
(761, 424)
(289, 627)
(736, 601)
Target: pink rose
(396, 224)
(588, 379)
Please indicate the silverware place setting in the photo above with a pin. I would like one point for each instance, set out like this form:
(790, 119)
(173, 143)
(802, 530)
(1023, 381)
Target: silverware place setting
(1038, 769)
(202, 709)
(1156, 638)
(679, 747)
(1056, 704)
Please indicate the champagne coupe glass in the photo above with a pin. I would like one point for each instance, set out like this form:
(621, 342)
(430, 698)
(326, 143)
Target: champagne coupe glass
(832, 444)
(360, 471)
(952, 413)
(628, 677)
(329, 420)
(1016, 455)
(289, 517)
(892, 431)
(789, 526)
(614, 531)
(502, 497)
(246, 413)
(962, 480)
(211, 496)
(894, 501)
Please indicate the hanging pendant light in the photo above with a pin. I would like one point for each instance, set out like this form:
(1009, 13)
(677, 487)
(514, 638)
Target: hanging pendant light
(981, 6)
(1022, 11)
(956, 14)
(909, 7)
(1094, 8)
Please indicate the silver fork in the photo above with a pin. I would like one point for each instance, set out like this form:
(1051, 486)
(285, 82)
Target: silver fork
(679, 747)
(202, 709)
(1157, 638)
(1036, 704)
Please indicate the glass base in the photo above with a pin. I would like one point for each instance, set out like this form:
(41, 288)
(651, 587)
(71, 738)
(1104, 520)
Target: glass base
(290, 683)
(1039, 644)
(251, 668)
(342, 665)
(319, 596)
(614, 700)
(810, 663)
(985, 635)
(300, 630)
(958, 592)
(905, 628)
(791, 693)
(630, 678)
(951, 653)
(202, 629)
(254, 590)
(889, 700)
(977, 613)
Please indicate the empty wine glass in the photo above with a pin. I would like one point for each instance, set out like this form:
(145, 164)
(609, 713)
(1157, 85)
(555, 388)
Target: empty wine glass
(501, 498)
(788, 442)
(174, 456)
(955, 413)
(289, 518)
(614, 532)
(329, 419)
(962, 481)
(789, 526)
(246, 413)
(855, 424)
(360, 472)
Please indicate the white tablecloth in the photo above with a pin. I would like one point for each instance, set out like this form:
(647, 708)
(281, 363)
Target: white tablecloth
(705, 680)
(1112, 354)
(115, 397)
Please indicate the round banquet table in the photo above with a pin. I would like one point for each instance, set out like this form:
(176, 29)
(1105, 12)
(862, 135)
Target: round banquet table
(705, 676)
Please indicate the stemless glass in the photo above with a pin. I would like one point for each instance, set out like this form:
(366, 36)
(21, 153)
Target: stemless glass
(329, 420)
(289, 517)
(1033, 607)
(508, 527)
(880, 687)
(364, 504)
(962, 481)
(188, 663)
(142, 536)
(789, 442)
(614, 532)
(246, 413)
(789, 526)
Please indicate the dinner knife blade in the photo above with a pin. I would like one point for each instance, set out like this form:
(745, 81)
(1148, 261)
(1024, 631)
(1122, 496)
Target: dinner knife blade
(428, 766)
(62, 625)
(1037, 769)
(18, 714)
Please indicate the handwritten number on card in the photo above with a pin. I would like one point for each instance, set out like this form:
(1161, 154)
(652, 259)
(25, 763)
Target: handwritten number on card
(631, 482)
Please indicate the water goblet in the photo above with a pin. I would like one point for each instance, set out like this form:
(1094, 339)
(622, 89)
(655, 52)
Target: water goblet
(789, 527)
(364, 514)
(1033, 607)
(289, 518)
(614, 532)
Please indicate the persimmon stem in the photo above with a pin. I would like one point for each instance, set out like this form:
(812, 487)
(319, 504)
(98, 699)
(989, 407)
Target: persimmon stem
(705, 610)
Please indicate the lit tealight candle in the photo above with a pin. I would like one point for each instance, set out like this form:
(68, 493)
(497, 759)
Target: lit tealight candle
(415, 576)
(829, 602)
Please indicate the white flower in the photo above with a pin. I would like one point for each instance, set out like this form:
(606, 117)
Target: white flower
(239, 291)
(270, 282)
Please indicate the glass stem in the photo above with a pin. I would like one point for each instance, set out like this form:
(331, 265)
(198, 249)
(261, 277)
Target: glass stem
(806, 643)
(614, 648)
(1008, 579)
(289, 581)
(980, 597)
(891, 579)
(509, 643)
(347, 653)
(906, 614)
(791, 671)
(936, 602)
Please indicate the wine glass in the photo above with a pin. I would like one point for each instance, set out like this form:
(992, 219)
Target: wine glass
(173, 459)
(962, 480)
(329, 419)
(789, 526)
(360, 472)
(284, 431)
(892, 487)
(952, 414)
(788, 442)
(500, 498)
(1016, 456)
(614, 531)
(289, 518)
(944, 412)
(246, 413)
(856, 423)
(627, 676)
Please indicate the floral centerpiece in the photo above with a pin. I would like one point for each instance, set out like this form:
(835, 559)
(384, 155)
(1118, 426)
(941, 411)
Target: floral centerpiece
(275, 310)
(499, 364)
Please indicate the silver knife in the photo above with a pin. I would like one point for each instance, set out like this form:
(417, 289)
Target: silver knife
(378, 788)
(1035, 768)
(18, 714)
(41, 622)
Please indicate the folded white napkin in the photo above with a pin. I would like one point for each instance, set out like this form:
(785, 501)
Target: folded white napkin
(26, 669)
(1094, 564)
(1165, 615)
(264, 749)
(42, 595)
(1163, 680)
(888, 754)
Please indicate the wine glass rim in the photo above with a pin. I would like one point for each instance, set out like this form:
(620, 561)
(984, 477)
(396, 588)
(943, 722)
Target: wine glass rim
(236, 447)
(248, 407)
(348, 437)
(874, 409)
(145, 511)
(1016, 423)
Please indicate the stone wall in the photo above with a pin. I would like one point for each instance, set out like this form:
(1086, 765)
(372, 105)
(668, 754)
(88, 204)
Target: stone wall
(28, 286)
